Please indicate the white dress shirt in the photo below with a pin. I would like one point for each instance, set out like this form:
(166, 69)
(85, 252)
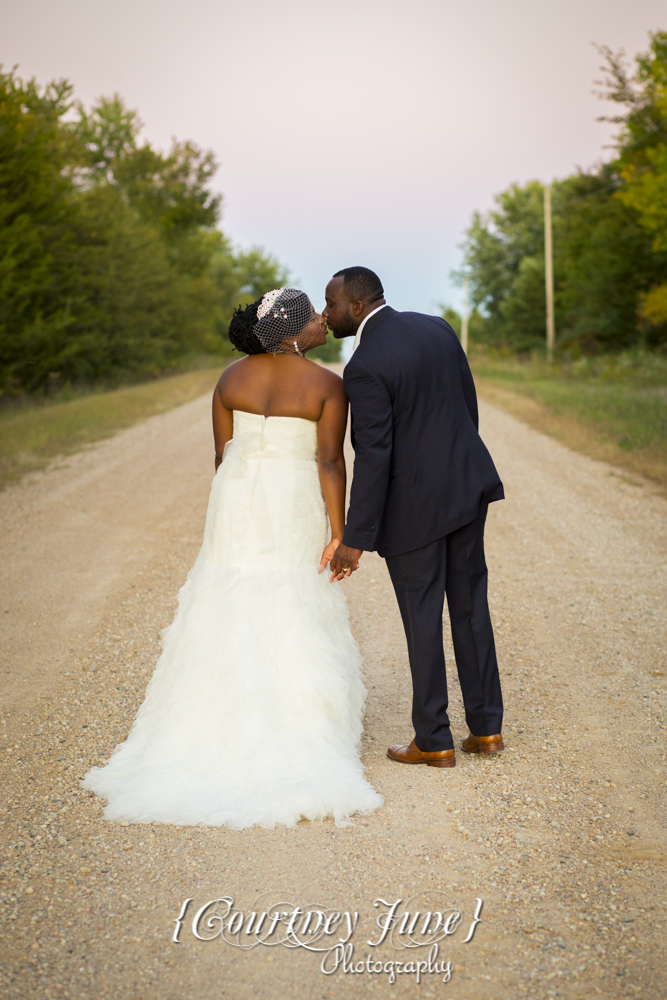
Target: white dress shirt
(357, 339)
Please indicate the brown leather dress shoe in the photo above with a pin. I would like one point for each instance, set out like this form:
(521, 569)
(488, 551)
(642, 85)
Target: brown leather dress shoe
(483, 744)
(412, 755)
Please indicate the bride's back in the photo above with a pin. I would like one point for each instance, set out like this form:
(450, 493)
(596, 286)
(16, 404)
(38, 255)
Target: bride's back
(277, 385)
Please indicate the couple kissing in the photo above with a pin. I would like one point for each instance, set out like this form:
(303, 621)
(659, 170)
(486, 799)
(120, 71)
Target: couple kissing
(254, 713)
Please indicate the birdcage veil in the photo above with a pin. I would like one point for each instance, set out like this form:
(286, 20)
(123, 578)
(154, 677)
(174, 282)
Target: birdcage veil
(281, 316)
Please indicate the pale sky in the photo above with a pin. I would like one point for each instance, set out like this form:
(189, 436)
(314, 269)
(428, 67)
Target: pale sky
(362, 132)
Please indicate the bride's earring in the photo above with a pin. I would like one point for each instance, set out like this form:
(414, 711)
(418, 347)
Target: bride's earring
(296, 348)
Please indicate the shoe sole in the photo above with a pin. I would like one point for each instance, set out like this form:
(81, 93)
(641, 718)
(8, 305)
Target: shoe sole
(497, 748)
(448, 762)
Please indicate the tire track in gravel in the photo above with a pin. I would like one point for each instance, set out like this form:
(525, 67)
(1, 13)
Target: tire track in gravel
(562, 836)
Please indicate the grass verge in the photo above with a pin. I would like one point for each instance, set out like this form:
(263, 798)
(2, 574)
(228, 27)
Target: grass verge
(618, 418)
(33, 436)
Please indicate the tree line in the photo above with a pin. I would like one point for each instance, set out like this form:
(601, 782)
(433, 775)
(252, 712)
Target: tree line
(112, 265)
(609, 235)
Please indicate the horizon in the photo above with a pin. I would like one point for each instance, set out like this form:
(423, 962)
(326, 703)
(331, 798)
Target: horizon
(334, 151)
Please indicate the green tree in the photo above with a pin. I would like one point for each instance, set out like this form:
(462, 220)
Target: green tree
(610, 247)
(477, 333)
(111, 261)
(329, 352)
(452, 317)
(37, 211)
(171, 191)
(504, 254)
(605, 263)
(108, 133)
(642, 149)
(120, 307)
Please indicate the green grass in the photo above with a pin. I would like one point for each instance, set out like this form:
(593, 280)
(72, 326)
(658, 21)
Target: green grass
(612, 407)
(35, 433)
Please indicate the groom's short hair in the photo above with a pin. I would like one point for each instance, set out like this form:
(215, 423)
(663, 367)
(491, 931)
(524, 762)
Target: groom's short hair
(361, 284)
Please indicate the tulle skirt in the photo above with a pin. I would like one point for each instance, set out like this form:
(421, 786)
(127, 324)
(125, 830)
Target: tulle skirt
(253, 715)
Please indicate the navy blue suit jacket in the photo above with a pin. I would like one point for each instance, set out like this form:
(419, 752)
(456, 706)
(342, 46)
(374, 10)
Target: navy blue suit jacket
(421, 469)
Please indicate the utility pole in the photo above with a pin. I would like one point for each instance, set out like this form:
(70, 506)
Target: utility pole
(549, 273)
(464, 317)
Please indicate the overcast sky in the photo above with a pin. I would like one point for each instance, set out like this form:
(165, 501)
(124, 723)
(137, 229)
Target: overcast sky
(354, 132)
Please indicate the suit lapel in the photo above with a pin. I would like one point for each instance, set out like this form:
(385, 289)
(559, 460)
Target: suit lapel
(384, 313)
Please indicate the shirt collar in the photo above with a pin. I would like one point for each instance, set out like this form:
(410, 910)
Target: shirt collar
(360, 331)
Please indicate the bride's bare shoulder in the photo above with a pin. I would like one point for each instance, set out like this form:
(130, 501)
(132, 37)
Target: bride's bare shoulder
(232, 372)
(327, 378)
(262, 380)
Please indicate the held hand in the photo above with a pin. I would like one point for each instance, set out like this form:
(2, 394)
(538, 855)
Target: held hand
(327, 555)
(345, 561)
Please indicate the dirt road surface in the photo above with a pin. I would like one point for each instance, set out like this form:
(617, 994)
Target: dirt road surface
(562, 837)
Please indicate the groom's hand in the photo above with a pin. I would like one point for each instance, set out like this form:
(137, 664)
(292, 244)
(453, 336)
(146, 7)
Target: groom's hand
(345, 561)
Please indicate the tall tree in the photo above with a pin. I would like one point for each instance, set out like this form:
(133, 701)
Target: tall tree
(505, 258)
(111, 262)
(605, 263)
(610, 247)
(37, 213)
(642, 151)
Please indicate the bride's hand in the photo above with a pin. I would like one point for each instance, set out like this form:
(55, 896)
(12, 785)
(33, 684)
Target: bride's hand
(327, 555)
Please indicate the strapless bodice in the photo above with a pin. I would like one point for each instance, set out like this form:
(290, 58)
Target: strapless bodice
(267, 510)
(256, 436)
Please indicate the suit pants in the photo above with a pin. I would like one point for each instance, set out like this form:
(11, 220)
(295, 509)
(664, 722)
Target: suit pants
(453, 565)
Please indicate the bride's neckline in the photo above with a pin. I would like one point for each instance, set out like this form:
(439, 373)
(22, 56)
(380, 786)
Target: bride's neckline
(272, 416)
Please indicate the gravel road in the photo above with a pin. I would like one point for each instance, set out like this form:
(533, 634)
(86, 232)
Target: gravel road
(562, 837)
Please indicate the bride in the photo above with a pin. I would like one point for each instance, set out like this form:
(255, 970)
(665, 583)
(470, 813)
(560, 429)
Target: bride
(253, 715)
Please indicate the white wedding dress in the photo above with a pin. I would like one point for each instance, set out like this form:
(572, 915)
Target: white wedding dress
(253, 715)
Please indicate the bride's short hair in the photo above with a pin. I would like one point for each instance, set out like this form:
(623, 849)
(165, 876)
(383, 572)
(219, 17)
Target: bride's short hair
(241, 328)
(265, 325)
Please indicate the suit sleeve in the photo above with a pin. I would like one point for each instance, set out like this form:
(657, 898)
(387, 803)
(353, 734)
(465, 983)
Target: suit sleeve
(372, 421)
(468, 386)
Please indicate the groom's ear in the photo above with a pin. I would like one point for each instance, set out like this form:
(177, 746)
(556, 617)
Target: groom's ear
(356, 308)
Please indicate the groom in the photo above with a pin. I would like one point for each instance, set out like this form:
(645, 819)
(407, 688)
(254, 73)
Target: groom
(423, 481)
